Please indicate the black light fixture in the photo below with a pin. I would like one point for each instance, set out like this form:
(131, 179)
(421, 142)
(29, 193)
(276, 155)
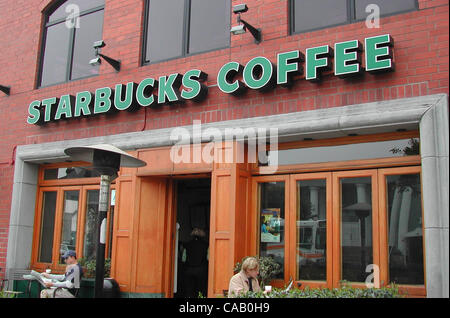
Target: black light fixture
(97, 60)
(106, 160)
(5, 89)
(242, 28)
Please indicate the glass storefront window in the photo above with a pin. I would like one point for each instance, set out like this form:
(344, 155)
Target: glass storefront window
(358, 151)
(271, 225)
(70, 221)
(356, 228)
(405, 237)
(69, 173)
(311, 230)
(47, 227)
(90, 227)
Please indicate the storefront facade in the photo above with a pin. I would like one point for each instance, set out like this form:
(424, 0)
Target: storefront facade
(309, 147)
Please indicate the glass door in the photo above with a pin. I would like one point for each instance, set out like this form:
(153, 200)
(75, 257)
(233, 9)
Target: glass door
(401, 229)
(355, 227)
(272, 206)
(311, 229)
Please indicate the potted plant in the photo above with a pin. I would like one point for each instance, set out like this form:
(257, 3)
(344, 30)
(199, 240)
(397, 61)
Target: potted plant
(88, 280)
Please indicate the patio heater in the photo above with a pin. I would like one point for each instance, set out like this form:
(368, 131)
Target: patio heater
(362, 211)
(106, 160)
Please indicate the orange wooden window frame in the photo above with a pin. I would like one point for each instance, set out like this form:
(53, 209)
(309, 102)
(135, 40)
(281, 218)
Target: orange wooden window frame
(379, 224)
(412, 290)
(60, 186)
(255, 234)
(294, 204)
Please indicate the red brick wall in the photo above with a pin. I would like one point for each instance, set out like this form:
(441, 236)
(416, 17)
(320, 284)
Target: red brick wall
(421, 56)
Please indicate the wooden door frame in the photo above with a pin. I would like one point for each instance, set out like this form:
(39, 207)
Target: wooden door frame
(327, 176)
(171, 232)
(413, 290)
(337, 252)
(254, 229)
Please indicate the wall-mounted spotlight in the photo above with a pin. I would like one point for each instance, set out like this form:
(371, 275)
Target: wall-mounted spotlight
(5, 89)
(242, 28)
(97, 60)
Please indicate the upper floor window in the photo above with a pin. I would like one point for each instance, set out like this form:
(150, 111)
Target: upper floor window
(71, 28)
(178, 28)
(308, 15)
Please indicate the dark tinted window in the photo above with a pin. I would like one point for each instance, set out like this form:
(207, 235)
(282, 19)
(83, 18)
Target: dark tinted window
(69, 173)
(165, 29)
(210, 25)
(386, 6)
(47, 227)
(90, 31)
(313, 14)
(66, 8)
(309, 15)
(54, 65)
(404, 206)
(68, 44)
(180, 27)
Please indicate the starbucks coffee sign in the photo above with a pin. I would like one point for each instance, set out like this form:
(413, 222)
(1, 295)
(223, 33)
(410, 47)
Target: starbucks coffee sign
(344, 59)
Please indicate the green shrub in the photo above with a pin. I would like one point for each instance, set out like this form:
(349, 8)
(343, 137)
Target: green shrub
(89, 267)
(345, 292)
(6, 295)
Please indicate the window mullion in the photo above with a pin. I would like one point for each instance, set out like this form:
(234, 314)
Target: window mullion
(70, 56)
(186, 29)
(57, 227)
(351, 9)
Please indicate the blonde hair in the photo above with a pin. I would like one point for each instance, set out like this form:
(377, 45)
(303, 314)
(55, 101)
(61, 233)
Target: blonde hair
(250, 263)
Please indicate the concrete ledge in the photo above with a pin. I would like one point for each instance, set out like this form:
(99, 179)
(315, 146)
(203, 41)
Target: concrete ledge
(334, 122)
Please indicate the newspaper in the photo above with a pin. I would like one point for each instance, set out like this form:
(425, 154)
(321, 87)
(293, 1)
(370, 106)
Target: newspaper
(40, 278)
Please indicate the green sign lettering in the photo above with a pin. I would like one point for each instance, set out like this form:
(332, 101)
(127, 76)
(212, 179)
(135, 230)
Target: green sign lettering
(197, 91)
(144, 96)
(49, 109)
(83, 104)
(226, 76)
(259, 73)
(378, 53)
(289, 66)
(34, 111)
(347, 58)
(168, 89)
(102, 100)
(233, 78)
(125, 97)
(65, 107)
(317, 61)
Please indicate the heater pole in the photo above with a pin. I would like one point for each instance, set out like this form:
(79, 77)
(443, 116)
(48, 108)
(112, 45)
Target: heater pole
(105, 183)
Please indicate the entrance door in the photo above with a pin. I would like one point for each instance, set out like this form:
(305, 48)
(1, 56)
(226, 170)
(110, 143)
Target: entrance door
(193, 199)
(311, 229)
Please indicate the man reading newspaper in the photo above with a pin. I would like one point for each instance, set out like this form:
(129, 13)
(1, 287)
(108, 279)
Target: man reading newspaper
(69, 282)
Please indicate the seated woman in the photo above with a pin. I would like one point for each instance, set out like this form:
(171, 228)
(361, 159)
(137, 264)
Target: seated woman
(246, 280)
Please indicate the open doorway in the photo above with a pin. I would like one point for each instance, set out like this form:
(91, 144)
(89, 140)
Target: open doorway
(193, 198)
